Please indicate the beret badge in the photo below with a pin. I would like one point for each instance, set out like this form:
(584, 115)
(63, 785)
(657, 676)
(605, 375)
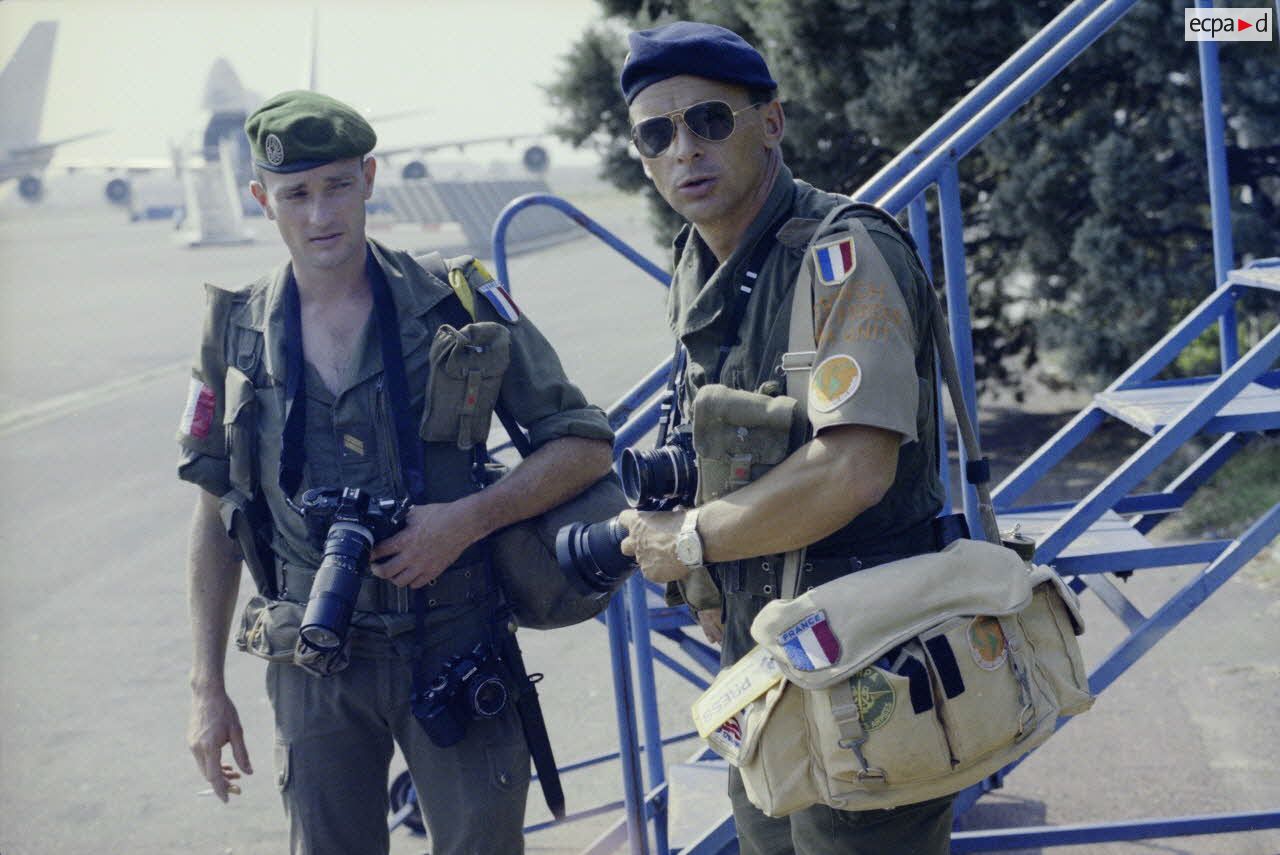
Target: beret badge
(274, 150)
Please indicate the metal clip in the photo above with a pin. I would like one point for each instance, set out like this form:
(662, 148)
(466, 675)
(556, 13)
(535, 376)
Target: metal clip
(800, 360)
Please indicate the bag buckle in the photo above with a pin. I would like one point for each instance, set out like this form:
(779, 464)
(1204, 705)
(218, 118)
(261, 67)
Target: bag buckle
(868, 774)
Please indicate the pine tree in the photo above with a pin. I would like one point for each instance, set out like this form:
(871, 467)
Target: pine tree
(1086, 214)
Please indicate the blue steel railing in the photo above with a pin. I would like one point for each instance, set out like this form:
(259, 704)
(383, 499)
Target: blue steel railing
(933, 159)
(632, 416)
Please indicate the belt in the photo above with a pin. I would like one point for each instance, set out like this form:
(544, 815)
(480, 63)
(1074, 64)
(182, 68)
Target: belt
(762, 576)
(461, 583)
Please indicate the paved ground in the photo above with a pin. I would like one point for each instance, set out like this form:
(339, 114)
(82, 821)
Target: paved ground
(97, 322)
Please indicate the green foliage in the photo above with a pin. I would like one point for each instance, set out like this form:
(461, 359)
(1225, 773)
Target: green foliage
(1086, 214)
(1236, 495)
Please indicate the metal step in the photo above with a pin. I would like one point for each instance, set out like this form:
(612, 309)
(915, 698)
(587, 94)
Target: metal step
(1264, 273)
(1150, 408)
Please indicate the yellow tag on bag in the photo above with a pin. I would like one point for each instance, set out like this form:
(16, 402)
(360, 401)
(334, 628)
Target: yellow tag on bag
(734, 688)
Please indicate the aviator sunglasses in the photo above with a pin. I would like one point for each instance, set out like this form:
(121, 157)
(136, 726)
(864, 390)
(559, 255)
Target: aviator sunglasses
(712, 121)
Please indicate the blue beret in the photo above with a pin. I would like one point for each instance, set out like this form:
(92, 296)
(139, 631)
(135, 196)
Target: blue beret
(686, 47)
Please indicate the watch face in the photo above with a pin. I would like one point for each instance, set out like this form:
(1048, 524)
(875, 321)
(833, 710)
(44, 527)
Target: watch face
(688, 548)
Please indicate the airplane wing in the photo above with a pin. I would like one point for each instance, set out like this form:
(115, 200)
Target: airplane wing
(460, 144)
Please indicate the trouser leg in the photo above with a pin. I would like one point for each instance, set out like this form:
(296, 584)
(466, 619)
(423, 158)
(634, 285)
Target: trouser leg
(333, 749)
(758, 833)
(918, 829)
(472, 794)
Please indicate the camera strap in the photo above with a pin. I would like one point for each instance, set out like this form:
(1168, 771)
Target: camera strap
(671, 416)
(293, 448)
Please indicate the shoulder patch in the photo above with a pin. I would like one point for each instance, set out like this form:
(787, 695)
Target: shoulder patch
(500, 300)
(834, 381)
(197, 416)
(835, 260)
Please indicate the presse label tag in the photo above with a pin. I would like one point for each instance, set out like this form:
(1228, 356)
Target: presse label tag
(747, 679)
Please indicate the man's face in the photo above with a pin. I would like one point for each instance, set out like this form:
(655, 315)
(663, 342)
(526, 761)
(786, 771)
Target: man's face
(320, 212)
(706, 182)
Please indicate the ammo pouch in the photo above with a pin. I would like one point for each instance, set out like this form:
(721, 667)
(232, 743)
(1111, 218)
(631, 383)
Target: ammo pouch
(467, 365)
(247, 520)
(269, 630)
(524, 557)
(903, 682)
(738, 437)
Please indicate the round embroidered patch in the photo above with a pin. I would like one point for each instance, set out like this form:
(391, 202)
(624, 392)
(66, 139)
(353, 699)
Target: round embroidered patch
(875, 698)
(834, 381)
(274, 150)
(987, 643)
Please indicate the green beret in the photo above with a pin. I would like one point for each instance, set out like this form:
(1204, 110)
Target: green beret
(300, 130)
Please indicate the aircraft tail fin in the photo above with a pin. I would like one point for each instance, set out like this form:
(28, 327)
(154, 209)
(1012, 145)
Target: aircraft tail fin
(23, 84)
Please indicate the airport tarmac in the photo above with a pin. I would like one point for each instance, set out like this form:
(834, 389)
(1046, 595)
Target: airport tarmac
(98, 320)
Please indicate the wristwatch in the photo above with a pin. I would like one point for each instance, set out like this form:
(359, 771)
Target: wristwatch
(688, 543)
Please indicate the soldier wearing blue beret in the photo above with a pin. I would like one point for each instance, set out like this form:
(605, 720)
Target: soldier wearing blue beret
(296, 386)
(708, 128)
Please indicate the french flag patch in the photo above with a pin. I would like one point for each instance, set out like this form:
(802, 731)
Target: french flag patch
(810, 644)
(834, 262)
(197, 417)
(500, 300)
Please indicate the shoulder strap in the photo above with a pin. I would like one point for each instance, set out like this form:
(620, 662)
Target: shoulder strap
(459, 311)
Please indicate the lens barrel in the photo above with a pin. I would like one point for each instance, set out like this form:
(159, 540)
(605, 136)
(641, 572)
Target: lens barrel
(649, 477)
(336, 586)
(486, 695)
(590, 555)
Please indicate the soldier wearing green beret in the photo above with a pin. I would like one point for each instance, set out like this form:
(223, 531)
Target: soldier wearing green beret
(864, 490)
(292, 390)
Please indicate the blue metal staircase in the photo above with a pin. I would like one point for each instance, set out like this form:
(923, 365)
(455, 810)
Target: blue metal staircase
(1091, 541)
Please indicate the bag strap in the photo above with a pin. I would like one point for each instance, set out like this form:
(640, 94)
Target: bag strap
(802, 350)
(459, 309)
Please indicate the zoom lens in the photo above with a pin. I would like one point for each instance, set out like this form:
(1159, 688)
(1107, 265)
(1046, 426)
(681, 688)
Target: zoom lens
(590, 555)
(336, 586)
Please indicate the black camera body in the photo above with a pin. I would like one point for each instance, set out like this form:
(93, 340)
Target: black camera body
(344, 523)
(469, 686)
(664, 477)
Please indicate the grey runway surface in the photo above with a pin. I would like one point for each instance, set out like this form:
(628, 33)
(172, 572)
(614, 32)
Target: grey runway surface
(98, 319)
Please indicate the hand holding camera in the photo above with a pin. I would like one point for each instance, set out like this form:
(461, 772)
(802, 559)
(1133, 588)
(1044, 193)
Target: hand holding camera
(656, 480)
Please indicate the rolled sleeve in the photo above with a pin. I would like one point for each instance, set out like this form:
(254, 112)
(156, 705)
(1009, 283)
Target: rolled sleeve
(207, 472)
(536, 391)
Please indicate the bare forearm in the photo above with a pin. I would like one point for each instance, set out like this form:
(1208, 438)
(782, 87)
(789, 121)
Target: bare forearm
(809, 495)
(213, 581)
(553, 474)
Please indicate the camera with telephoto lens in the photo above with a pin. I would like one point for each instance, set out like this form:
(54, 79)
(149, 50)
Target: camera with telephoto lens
(467, 687)
(663, 477)
(590, 556)
(345, 523)
(656, 480)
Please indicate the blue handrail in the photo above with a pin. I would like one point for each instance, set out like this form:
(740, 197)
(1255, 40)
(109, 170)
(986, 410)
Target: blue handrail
(1035, 78)
(517, 205)
(965, 109)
